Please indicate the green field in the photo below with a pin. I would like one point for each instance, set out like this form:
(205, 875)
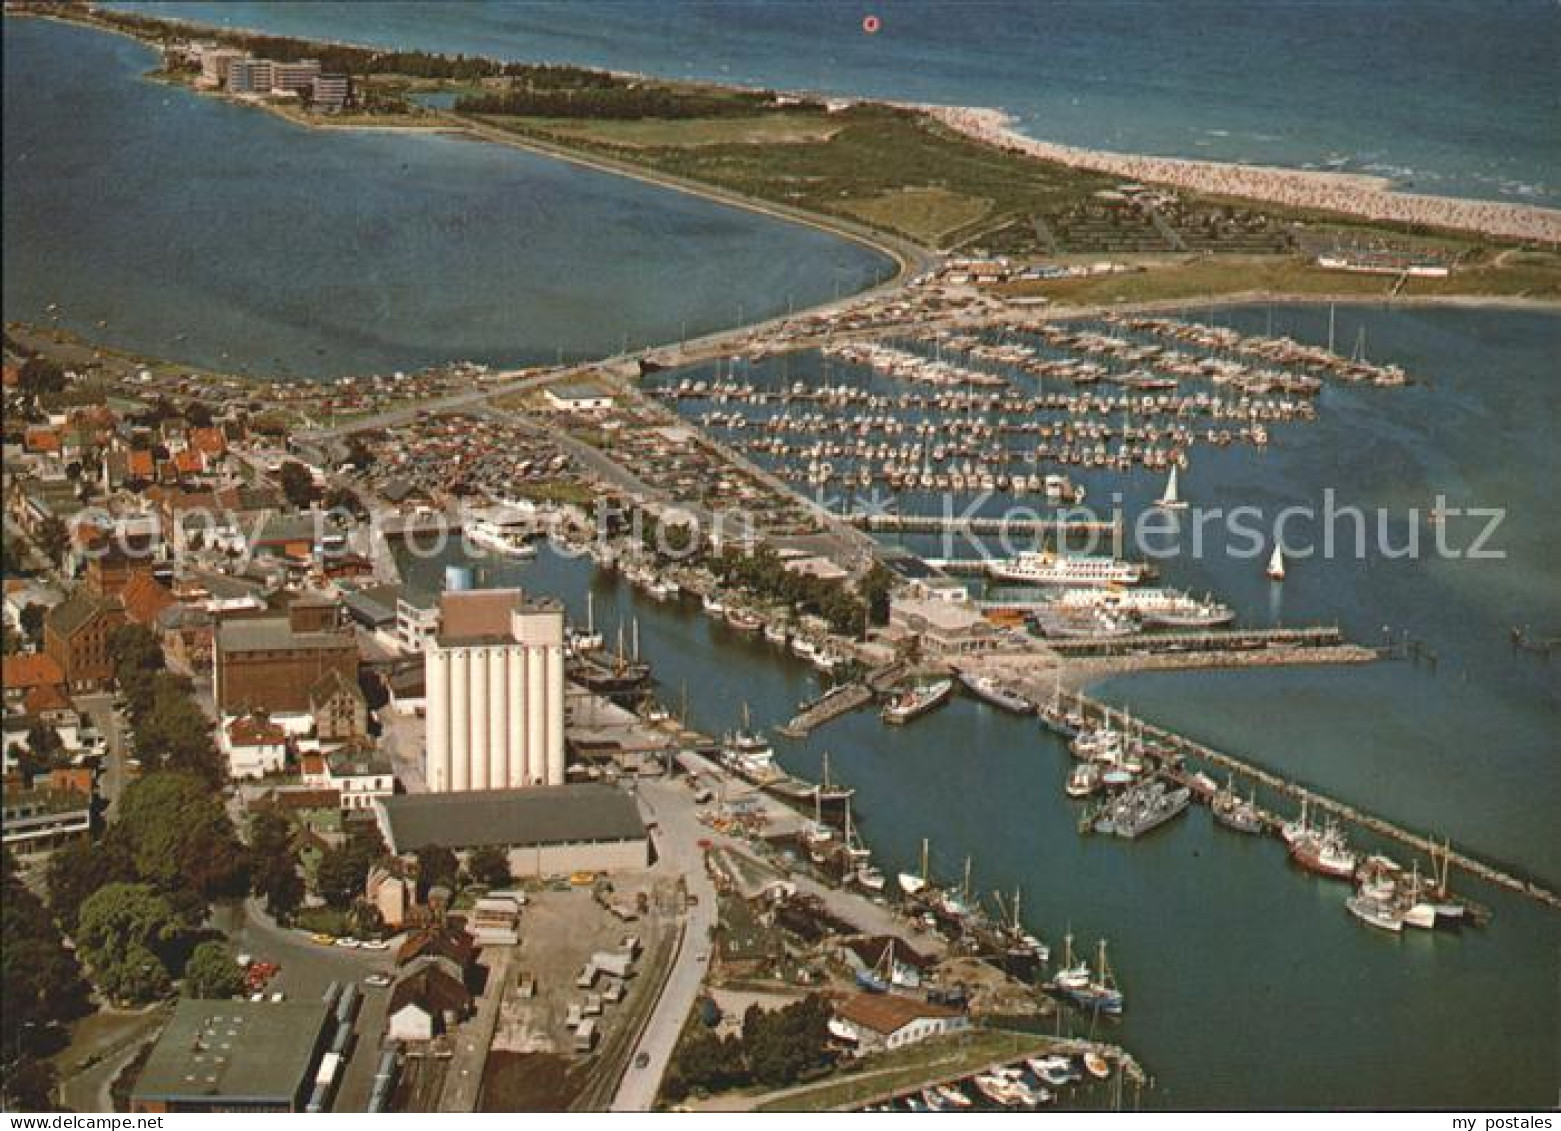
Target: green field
(1531, 275)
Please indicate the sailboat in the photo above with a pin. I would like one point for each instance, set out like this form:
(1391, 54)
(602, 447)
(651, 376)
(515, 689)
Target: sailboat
(912, 884)
(1170, 500)
(1276, 564)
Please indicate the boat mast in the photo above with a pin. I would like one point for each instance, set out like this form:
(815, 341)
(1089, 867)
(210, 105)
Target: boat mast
(924, 851)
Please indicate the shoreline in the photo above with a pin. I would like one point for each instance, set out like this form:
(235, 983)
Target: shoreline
(1359, 196)
(1350, 194)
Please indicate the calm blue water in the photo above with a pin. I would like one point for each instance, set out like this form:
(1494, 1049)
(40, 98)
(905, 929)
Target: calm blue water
(1249, 985)
(1453, 97)
(226, 237)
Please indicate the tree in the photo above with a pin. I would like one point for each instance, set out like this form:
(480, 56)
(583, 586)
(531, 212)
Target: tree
(343, 871)
(197, 415)
(274, 866)
(78, 869)
(296, 483)
(29, 1084)
(121, 927)
(52, 538)
(875, 587)
(346, 500)
(31, 621)
(40, 375)
(180, 838)
(212, 972)
(437, 867)
(41, 988)
(489, 866)
(45, 744)
(783, 1044)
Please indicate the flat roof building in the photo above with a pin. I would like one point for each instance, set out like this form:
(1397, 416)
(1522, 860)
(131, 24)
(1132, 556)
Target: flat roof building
(233, 1056)
(547, 830)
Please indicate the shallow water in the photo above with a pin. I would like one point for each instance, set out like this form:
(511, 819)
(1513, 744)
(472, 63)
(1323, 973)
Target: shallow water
(177, 225)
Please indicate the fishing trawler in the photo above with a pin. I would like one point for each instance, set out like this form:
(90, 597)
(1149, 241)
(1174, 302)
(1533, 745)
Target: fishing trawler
(1234, 812)
(917, 701)
(1325, 852)
(1042, 567)
(1095, 990)
(989, 690)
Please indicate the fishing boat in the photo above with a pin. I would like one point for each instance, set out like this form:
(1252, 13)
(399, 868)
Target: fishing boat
(1100, 993)
(743, 620)
(1383, 914)
(911, 883)
(952, 1096)
(713, 604)
(869, 877)
(1276, 565)
(989, 690)
(1236, 813)
(917, 701)
(1326, 853)
(1084, 780)
(1073, 974)
(1096, 1065)
(1169, 499)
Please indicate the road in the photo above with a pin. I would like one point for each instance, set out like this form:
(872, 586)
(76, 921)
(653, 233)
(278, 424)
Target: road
(111, 725)
(307, 968)
(671, 805)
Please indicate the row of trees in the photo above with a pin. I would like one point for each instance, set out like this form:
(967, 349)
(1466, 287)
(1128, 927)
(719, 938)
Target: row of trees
(41, 989)
(171, 731)
(134, 900)
(778, 1048)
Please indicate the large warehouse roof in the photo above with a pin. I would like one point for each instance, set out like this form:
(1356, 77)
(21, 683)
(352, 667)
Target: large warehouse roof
(511, 818)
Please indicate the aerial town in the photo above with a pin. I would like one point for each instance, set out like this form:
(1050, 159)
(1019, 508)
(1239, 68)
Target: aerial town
(621, 731)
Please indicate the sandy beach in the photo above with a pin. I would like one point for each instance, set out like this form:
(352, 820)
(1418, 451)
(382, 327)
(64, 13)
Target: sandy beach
(1354, 194)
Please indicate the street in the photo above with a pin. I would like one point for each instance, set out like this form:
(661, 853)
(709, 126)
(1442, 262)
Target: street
(671, 805)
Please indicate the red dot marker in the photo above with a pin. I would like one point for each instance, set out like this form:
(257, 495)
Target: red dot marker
(871, 25)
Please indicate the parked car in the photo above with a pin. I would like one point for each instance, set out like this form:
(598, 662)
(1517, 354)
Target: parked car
(375, 944)
(348, 944)
(378, 980)
(322, 939)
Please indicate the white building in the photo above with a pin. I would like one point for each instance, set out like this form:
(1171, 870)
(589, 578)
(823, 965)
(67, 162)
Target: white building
(417, 620)
(584, 397)
(878, 1022)
(494, 677)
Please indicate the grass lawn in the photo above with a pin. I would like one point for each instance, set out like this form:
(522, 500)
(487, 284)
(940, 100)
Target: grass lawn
(929, 215)
(1536, 275)
(652, 133)
(906, 1068)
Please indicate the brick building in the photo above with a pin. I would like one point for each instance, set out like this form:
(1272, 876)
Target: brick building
(273, 663)
(76, 634)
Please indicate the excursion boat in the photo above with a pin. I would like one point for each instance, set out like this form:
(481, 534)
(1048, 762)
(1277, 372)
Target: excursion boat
(917, 701)
(1084, 780)
(502, 534)
(1041, 567)
(744, 621)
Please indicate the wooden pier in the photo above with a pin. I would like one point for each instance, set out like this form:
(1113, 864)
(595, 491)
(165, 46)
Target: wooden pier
(838, 701)
(1179, 746)
(979, 524)
(1234, 640)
